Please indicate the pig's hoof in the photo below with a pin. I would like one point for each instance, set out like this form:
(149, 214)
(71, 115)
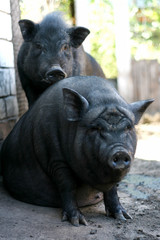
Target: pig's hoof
(76, 218)
(121, 215)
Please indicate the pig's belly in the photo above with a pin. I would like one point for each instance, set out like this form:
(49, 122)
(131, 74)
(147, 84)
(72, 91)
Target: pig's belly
(32, 186)
(37, 188)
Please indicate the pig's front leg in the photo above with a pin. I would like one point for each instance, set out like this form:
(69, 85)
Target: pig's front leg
(112, 205)
(67, 189)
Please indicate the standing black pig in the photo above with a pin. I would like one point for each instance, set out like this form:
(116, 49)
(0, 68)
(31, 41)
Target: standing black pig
(51, 51)
(80, 131)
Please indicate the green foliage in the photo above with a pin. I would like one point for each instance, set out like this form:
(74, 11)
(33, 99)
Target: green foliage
(102, 36)
(145, 30)
(66, 7)
(41, 7)
(31, 9)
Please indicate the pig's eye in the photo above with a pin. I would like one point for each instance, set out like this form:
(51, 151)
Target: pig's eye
(65, 47)
(95, 129)
(128, 127)
(39, 46)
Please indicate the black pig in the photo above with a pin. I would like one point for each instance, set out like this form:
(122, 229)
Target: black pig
(79, 131)
(50, 52)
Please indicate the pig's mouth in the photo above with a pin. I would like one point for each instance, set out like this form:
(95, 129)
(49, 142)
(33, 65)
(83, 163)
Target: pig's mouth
(114, 167)
(115, 178)
(54, 75)
(104, 187)
(119, 158)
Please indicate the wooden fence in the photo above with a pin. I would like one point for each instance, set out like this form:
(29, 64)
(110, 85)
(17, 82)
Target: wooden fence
(146, 82)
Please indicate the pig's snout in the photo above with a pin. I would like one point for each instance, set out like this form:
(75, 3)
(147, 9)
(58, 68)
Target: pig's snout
(55, 74)
(120, 159)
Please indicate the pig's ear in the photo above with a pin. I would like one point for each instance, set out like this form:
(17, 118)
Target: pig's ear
(75, 105)
(28, 29)
(138, 108)
(78, 35)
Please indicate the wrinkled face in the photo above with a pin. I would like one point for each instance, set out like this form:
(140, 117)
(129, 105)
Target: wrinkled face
(108, 144)
(103, 134)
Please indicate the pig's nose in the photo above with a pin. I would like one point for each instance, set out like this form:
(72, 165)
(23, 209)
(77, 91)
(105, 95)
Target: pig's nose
(120, 160)
(55, 74)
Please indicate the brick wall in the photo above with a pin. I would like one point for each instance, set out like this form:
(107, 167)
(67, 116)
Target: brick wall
(8, 99)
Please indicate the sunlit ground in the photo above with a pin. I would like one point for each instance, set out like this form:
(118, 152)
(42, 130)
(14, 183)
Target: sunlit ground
(148, 146)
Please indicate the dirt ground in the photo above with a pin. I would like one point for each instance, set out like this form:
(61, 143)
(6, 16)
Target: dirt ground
(139, 193)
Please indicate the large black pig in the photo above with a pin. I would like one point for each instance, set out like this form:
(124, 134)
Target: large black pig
(50, 52)
(78, 132)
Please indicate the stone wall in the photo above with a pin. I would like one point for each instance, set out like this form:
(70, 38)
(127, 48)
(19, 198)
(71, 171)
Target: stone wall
(8, 99)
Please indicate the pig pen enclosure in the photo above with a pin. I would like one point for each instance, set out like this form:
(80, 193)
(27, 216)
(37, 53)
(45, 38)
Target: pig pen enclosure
(139, 191)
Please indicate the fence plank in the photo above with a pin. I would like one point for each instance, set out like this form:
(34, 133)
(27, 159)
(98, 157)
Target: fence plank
(146, 82)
